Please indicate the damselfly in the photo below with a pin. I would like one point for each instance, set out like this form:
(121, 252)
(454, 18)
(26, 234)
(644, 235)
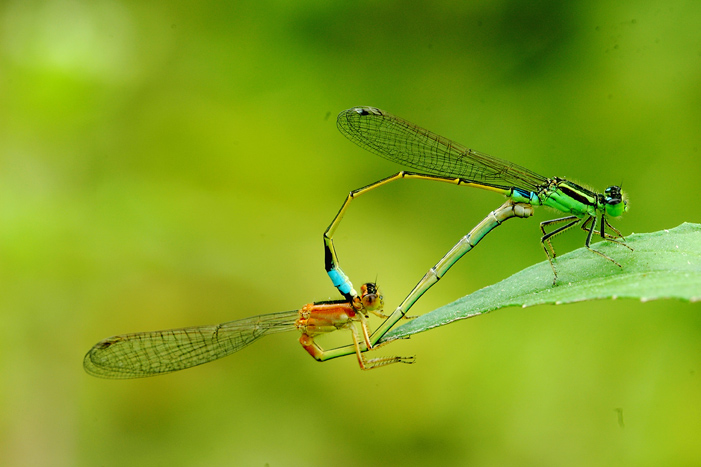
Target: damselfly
(158, 352)
(443, 160)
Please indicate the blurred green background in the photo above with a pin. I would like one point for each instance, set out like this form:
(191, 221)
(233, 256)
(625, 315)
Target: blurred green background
(165, 164)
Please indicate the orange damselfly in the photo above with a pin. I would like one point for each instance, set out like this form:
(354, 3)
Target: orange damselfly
(153, 353)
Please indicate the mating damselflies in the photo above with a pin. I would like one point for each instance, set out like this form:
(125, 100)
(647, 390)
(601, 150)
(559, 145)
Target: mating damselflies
(153, 353)
(443, 160)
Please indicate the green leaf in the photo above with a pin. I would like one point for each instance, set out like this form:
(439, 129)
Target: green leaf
(665, 264)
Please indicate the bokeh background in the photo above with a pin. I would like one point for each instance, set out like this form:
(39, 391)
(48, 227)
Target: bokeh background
(166, 164)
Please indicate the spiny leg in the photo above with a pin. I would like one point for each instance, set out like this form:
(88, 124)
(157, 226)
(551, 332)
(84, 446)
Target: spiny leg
(618, 233)
(588, 242)
(329, 324)
(606, 236)
(547, 236)
(372, 363)
(320, 354)
(379, 314)
(586, 227)
(618, 238)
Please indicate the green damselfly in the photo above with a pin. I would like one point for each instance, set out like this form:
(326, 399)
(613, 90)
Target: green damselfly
(441, 159)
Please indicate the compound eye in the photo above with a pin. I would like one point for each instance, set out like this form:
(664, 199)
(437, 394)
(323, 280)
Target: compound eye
(370, 301)
(613, 192)
(368, 288)
(370, 297)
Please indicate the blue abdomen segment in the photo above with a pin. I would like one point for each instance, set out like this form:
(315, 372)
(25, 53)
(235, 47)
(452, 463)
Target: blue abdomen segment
(340, 281)
(524, 196)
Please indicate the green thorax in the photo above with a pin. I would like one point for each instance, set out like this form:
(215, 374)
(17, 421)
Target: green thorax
(574, 199)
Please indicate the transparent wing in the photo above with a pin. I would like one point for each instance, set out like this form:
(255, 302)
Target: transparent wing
(152, 353)
(403, 142)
